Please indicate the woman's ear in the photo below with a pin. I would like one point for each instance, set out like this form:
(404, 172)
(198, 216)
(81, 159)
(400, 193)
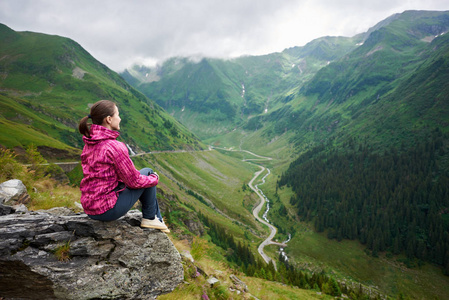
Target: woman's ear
(107, 122)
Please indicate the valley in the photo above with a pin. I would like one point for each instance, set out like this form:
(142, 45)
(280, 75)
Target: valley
(352, 143)
(347, 261)
(263, 202)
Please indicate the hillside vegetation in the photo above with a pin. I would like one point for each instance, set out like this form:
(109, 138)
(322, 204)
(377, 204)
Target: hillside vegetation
(46, 86)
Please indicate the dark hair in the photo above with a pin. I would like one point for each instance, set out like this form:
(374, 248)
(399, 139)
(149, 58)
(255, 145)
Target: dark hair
(98, 112)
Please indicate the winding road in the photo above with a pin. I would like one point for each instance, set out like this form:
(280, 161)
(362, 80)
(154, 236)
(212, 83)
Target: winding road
(256, 211)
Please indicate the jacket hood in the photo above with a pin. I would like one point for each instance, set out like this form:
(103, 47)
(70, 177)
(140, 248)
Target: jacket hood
(99, 133)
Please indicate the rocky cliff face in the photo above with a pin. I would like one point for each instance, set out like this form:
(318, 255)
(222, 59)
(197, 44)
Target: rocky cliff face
(54, 255)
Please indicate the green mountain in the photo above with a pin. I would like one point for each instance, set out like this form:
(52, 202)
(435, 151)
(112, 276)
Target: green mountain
(46, 86)
(213, 96)
(380, 71)
(367, 117)
(332, 86)
(363, 94)
(385, 166)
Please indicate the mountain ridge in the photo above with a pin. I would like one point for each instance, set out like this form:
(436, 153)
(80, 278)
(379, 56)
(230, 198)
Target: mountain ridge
(255, 87)
(41, 73)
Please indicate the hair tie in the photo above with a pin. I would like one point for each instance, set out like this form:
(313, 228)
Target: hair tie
(89, 116)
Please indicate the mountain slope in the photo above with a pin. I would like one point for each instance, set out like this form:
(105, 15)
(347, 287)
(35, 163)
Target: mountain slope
(213, 96)
(360, 94)
(47, 84)
(304, 94)
(381, 177)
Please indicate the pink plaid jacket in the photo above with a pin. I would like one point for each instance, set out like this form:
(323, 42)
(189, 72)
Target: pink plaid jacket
(105, 163)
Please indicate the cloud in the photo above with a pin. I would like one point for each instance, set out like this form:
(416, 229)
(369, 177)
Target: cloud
(120, 33)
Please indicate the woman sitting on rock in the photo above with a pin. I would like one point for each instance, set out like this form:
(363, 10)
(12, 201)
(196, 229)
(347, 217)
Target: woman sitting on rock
(111, 184)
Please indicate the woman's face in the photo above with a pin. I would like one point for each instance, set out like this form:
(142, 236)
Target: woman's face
(112, 122)
(115, 120)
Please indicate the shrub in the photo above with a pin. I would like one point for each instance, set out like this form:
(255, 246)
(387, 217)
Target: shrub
(10, 168)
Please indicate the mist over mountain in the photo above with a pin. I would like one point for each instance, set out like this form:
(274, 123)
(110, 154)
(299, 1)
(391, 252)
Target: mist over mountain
(318, 90)
(227, 93)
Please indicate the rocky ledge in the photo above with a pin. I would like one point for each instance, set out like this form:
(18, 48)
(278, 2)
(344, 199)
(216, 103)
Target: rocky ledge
(56, 254)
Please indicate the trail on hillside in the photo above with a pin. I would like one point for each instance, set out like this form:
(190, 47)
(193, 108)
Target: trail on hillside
(263, 200)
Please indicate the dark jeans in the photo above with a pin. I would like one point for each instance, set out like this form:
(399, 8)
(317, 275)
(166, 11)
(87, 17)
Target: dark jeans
(128, 197)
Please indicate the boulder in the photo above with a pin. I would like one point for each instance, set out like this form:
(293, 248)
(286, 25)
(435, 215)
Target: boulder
(61, 256)
(213, 281)
(186, 254)
(194, 226)
(238, 284)
(13, 192)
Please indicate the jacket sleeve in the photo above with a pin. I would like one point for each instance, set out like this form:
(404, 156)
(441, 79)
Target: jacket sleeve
(126, 170)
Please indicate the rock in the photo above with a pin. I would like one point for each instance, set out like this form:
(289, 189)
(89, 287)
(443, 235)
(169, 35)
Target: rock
(212, 281)
(194, 226)
(13, 192)
(186, 254)
(20, 208)
(59, 211)
(238, 284)
(201, 271)
(107, 260)
(6, 210)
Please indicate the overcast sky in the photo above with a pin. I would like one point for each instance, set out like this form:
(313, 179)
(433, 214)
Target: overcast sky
(120, 33)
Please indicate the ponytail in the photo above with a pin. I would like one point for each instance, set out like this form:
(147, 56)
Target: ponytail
(100, 110)
(83, 127)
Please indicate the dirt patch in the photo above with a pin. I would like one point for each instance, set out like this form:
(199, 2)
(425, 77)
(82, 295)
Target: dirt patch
(54, 154)
(50, 154)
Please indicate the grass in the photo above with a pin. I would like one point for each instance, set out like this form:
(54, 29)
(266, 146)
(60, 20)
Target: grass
(213, 264)
(267, 290)
(44, 192)
(47, 193)
(23, 135)
(62, 252)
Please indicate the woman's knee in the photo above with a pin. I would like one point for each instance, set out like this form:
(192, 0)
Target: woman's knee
(146, 171)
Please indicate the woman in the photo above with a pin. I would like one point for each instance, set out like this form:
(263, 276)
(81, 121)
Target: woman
(111, 184)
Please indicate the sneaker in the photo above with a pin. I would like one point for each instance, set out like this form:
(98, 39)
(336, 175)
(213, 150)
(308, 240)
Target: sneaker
(165, 230)
(147, 223)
